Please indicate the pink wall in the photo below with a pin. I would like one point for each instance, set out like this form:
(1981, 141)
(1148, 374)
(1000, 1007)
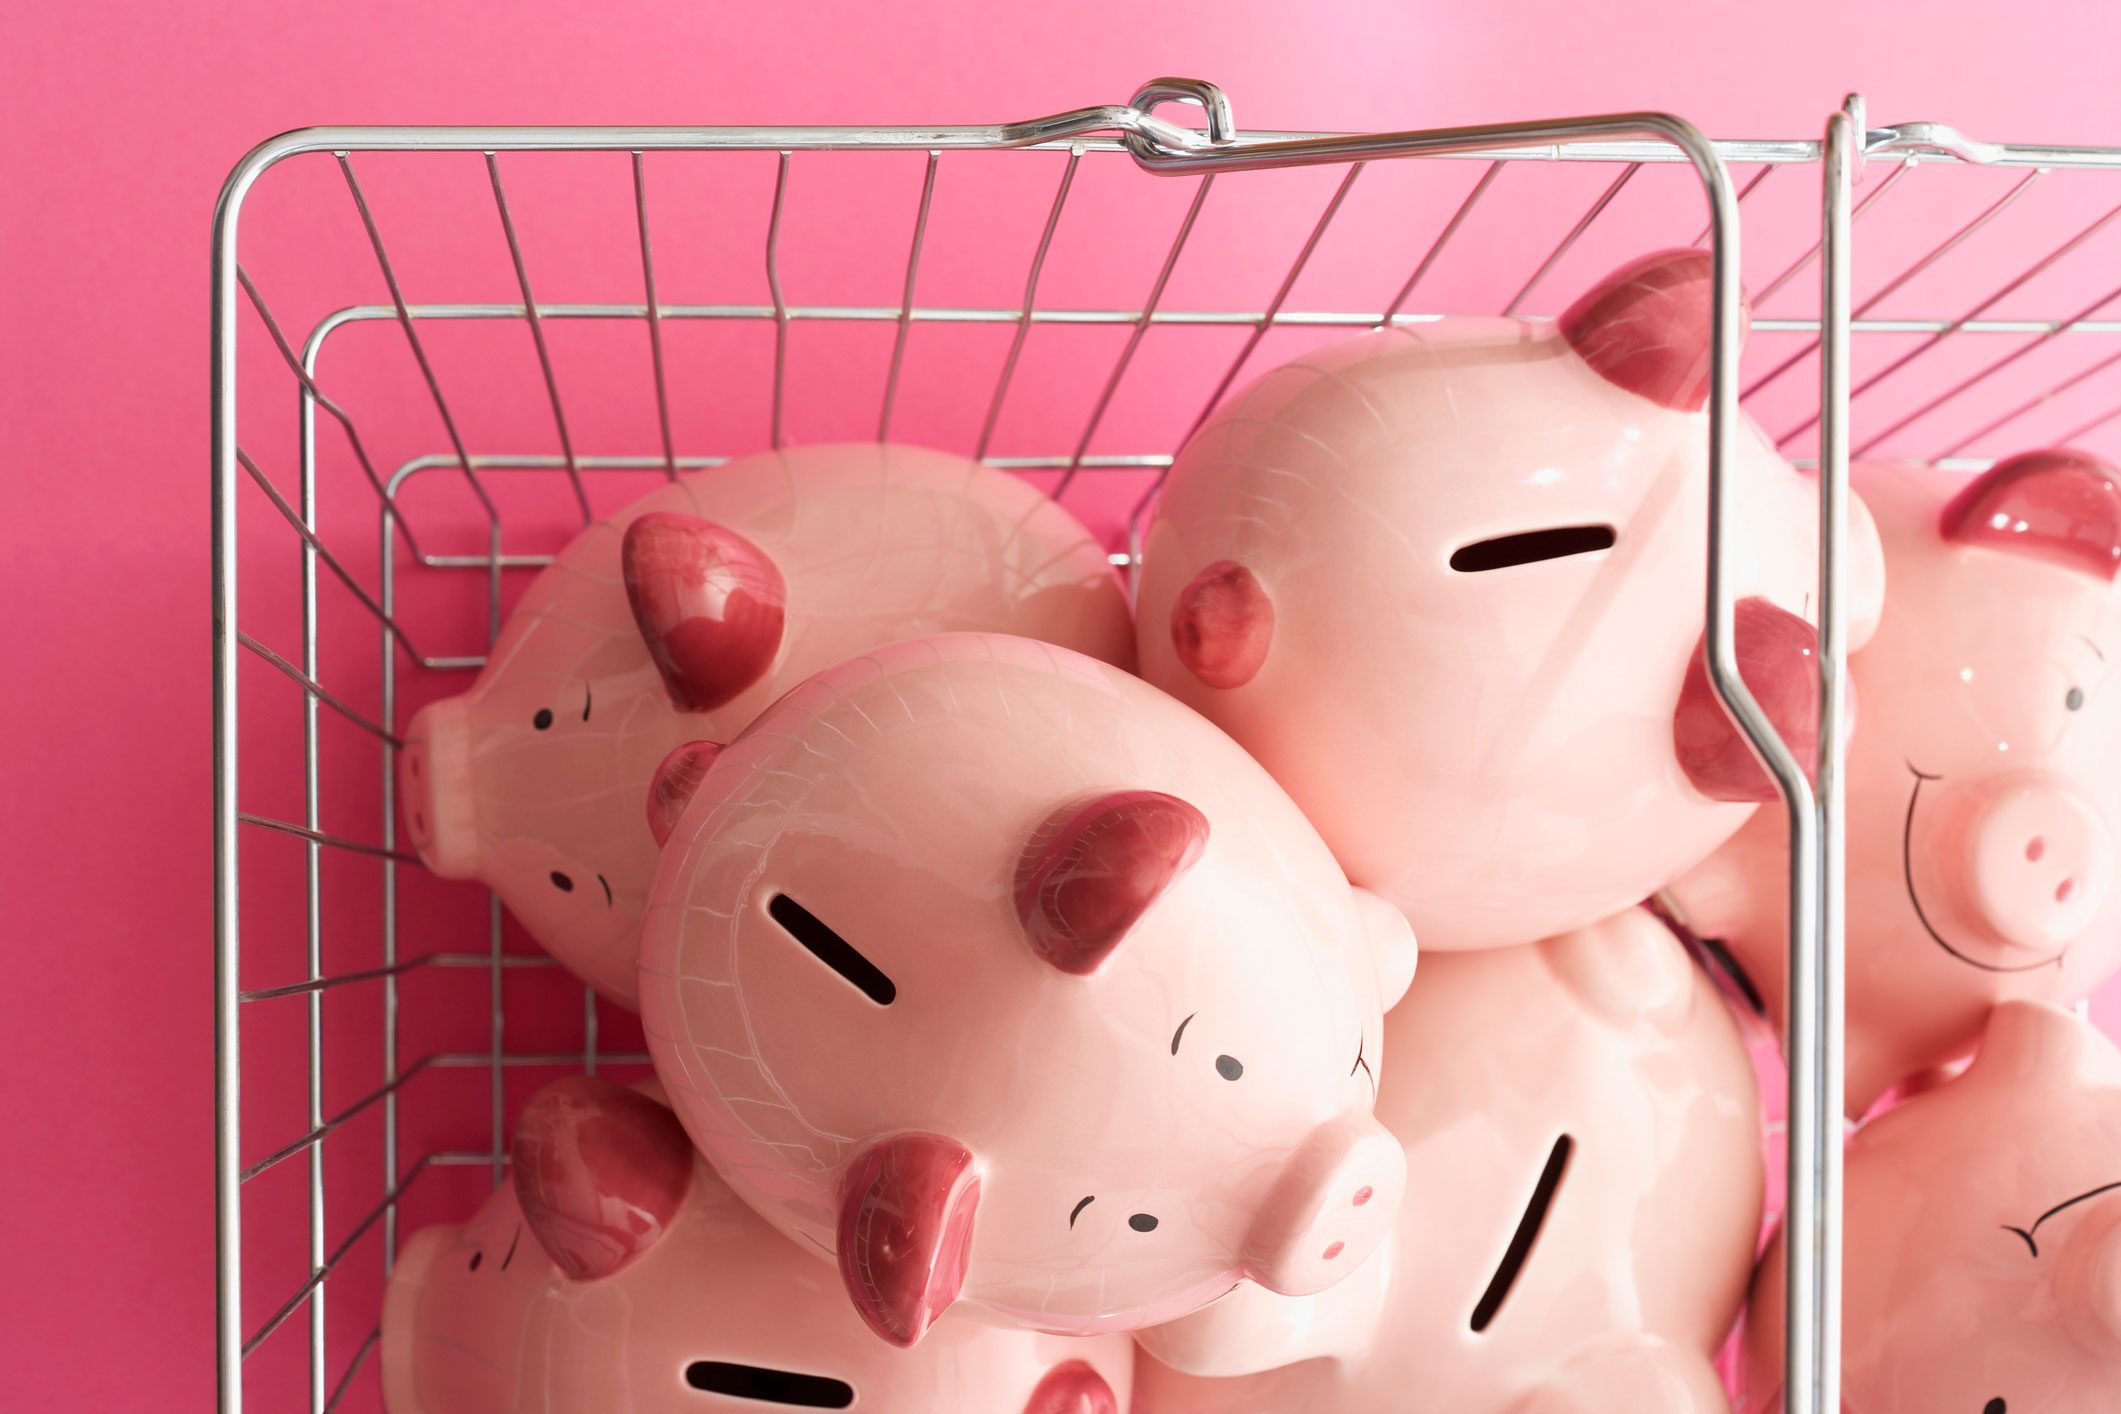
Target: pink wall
(120, 121)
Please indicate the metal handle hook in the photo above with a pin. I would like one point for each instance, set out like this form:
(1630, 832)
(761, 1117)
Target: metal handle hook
(1222, 128)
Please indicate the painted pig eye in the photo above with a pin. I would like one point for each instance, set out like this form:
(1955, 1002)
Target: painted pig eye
(561, 882)
(543, 719)
(1996, 1406)
(1229, 1067)
(2073, 699)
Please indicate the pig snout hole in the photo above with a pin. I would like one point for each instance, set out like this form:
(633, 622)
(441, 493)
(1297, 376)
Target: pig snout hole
(768, 1386)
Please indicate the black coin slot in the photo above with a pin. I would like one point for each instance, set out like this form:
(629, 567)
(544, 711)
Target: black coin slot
(833, 950)
(767, 1386)
(1528, 1225)
(1530, 547)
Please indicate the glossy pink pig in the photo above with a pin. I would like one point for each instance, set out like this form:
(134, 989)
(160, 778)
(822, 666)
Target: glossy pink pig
(1984, 787)
(684, 615)
(1446, 583)
(995, 975)
(615, 1273)
(1982, 1267)
(1583, 1169)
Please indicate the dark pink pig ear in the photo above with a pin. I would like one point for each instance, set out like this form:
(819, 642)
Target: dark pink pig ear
(710, 605)
(2064, 507)
(1645, 327)
(600, 1171)
(1073, 1387)
(675, 782)
(1222, 625)
(1778, 661)
(905, 1231)
(1095, 866)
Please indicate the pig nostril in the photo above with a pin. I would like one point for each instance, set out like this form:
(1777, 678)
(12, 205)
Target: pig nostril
(416, 768)
(2064, 889)
(419, 823)
(2034, 848)
(1335, 1250)
(1362, 1195)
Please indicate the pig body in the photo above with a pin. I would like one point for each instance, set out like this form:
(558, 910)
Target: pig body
(683, 616)
(661, 1292)
(1583, 1160)
(1445, 583)
(993, 973)
(1982, 1230)
(1984, 786)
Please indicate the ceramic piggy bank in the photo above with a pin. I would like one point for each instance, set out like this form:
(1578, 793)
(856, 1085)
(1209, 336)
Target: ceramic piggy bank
(684, 615)
(1984, 786)
(1583, 1170)
(995, 975)
(1982, 1257)
(614, 1273)
(1446, 583)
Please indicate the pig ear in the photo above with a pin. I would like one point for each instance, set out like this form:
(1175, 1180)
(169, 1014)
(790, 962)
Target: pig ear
(675, 782)
(1646, 327)
(1392, 948)
(710, 605)
(1778, 662)
(1222, 625)
(2064, 507)
(1073, 1387)
(1626, 968)
(600, 1172)
(905, 1231)
(2032, 1043)
(1095, 866)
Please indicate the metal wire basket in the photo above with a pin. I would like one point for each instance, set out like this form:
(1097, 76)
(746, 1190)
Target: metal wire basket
(373, 1035)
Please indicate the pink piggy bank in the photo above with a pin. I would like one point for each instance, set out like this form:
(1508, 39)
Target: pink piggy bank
(995, 975)
(1446, 584)
(1984, 788)
(1583, 1163)
(1982, 1271)
(614, 1273)
(684, 615)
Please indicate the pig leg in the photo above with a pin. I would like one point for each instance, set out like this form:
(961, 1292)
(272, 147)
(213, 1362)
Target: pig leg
(1628, 1375)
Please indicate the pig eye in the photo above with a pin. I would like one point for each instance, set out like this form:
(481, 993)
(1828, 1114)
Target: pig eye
(831, 949)
(2073, 699)
(476, 1258)
(1531, 546)
(543, 719)
(1994, 1406)
(1229, 1067)
(769, 1386)
(561, 882)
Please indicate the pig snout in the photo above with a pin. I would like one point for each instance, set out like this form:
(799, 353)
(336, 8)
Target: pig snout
(2038, 861)
(1331, 1206)
(2088, 1285)
(1777, 656)
(435, 789)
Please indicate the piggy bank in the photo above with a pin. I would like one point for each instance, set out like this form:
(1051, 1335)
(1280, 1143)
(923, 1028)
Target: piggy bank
(1446, 583)
(1984, 786)
(614, 1273)
(1982, 1257)
(684, 615)
(993, 974)
(1584, 1183)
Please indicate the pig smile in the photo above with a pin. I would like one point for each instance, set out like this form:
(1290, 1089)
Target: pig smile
(1907, 865)
(2027, 1232)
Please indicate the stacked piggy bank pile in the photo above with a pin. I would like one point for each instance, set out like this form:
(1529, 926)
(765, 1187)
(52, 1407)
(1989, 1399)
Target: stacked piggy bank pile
(1031, 983)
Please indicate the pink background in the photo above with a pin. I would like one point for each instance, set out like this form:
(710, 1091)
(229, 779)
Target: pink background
(121, 121)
